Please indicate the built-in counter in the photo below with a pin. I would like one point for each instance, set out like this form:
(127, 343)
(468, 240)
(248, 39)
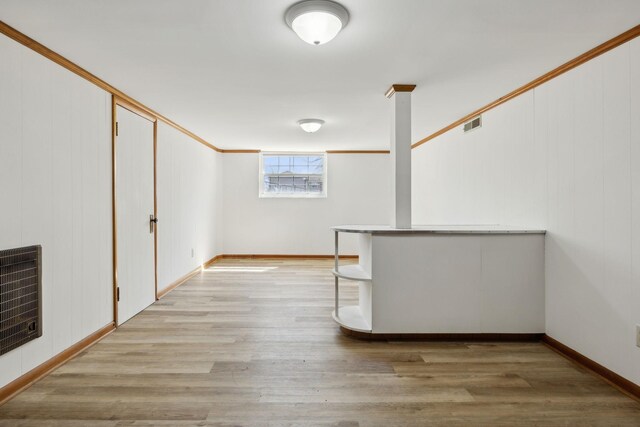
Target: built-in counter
(444, 280)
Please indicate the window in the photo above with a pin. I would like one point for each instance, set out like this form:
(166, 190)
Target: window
(293, 175)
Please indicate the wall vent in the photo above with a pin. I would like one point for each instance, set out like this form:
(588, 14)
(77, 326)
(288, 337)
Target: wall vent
(20, 296)
(473, 124)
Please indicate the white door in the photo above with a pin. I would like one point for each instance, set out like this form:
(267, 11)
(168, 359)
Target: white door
(134, 209)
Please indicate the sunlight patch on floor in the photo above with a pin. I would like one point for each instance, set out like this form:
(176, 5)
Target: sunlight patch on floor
(241, 269)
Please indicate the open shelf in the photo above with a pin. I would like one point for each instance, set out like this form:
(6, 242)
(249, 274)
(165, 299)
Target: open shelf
(351, 318)
(352, 272)
(355, 317)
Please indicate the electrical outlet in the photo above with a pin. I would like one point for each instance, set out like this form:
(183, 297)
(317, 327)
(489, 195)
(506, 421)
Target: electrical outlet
(193, 253)
(638, 335)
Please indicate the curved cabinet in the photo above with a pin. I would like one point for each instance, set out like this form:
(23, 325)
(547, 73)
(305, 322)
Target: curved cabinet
(444, 279)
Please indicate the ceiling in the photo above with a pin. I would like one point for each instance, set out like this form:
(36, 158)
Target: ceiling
(233, 73)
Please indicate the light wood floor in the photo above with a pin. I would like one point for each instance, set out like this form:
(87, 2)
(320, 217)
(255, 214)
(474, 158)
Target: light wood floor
(251, 342)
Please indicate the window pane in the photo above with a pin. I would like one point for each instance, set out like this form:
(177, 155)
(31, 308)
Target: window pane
(301, 169)
(285, 161)
(270, 160)
(270, 164)
(301, 160)
(285, 184)
(315, 184)
(300, 183)
(270, 183)
(285, 169)
(315, 160)
(315, 164)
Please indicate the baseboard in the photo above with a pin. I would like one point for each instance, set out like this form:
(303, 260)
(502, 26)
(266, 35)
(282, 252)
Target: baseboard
(478, 337)
(26, 380)
(187, 276)
(284, 256)
(619, 382)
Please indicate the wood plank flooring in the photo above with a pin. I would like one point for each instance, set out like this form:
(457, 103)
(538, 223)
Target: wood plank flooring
(252, 343)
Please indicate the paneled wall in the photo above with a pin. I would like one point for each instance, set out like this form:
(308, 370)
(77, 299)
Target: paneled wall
(55, 190)
(491, 175)
(358, 192)
(55, 170)
(189, 185)
(564, 157)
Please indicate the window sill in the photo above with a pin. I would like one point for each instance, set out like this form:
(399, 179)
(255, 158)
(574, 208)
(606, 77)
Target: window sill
(291, 196)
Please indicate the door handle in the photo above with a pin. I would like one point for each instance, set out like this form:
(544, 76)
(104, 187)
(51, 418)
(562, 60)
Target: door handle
(152, 223)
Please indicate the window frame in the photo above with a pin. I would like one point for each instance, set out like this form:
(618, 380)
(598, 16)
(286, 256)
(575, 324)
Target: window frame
(293, 195)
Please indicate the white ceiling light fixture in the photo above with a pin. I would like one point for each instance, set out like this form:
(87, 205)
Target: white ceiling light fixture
(310, 125)
(317, 21)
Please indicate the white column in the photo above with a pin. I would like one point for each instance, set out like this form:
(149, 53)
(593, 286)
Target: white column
(400, 95)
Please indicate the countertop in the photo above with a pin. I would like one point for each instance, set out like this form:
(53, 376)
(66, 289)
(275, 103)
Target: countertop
(437, 229)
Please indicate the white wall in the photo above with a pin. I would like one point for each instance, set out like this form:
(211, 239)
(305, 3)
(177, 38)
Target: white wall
(55, 190)
(491, 175)
(55, 170)
(358, 192)
(189, 184)
(565, 157)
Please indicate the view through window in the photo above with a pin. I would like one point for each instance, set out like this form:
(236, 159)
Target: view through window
(293, 175)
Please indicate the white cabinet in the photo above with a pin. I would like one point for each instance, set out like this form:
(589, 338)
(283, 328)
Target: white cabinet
(444, 280)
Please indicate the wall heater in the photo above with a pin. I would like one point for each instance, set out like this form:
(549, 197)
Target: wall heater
(20, 296)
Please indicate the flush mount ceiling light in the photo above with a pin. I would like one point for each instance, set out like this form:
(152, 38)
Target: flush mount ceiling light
(317, 21)
(310, 125)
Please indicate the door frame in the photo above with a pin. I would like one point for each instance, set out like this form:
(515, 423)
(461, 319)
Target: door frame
(115, 102)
